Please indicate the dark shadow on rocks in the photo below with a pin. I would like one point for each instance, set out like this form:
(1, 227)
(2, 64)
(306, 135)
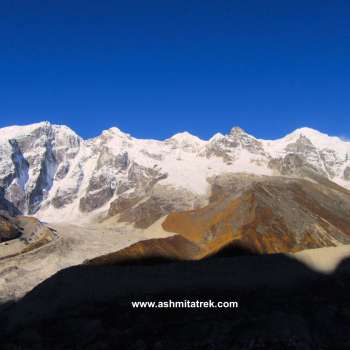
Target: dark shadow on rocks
(233, 250)
(144, 261)
(7, 206)
(282, 305)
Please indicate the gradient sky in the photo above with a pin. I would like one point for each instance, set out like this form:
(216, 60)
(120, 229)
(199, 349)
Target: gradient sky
(154, 68)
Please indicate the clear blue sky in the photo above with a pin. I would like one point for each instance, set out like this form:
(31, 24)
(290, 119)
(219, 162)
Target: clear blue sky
(154, 68)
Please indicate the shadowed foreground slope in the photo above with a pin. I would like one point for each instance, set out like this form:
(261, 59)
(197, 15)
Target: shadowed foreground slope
(282, 305)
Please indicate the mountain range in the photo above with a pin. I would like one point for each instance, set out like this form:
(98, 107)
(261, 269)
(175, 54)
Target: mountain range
(49, 171)
(116, 198)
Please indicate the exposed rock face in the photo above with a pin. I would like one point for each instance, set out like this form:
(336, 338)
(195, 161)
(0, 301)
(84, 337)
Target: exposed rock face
(239, 137)
(15, 190)
(304, 148)
(96, 199)
(22, 234)
(49, 171)
(31, 157)
(231, 146)
(293, 165)
(6, 205)
(267, 215)
(347, 174)
(8, 229)
(144, 210)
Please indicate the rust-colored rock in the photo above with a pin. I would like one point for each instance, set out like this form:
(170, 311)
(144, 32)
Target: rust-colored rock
(255, 214)
(8, 229)
(268, 216)
(170, 248)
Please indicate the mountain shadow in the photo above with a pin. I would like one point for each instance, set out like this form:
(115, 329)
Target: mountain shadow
(282, 304)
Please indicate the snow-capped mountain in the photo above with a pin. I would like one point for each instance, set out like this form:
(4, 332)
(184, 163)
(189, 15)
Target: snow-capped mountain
(49, 171)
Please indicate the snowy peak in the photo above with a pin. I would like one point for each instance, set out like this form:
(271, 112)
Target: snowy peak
(307, 132)
(186, 137)
(236, 144)
(186, 142)
(238, 132)
(115, 132)
(19, 131)
(48, 169)
(318, 139)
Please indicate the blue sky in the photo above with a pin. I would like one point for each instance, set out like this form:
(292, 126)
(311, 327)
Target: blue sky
(154, 68)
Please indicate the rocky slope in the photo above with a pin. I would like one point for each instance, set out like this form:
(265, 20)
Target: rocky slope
(151, 251)
(261, 214)
(25, 264)
(267, 214)
(8, 228)
(22, 234)
(50, 172)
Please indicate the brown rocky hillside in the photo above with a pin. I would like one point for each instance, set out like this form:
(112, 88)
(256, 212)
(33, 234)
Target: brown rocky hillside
(268, 215)
(258, 214)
